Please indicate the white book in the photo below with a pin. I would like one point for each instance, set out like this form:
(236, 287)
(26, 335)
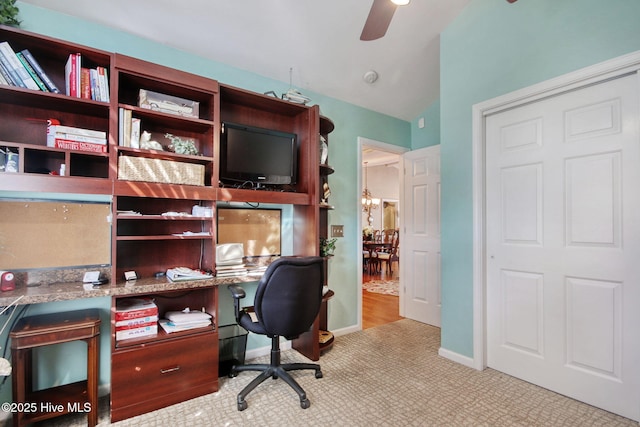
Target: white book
(135, 132)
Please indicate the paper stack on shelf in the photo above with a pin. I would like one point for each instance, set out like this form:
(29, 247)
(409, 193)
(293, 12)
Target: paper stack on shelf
(181, 274)
(136, 318)
(231, 270)
(185, 320)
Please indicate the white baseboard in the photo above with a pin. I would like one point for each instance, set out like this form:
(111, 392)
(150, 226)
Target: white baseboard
(456, 357)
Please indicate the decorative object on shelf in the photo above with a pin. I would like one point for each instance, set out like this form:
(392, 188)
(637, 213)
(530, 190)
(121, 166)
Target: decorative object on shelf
(369, 203)
(324, 150)
(180, 145)
(295, 96)
(326, 192)
(9, 13)
(327, 246)
(147, 144)
(168, 104)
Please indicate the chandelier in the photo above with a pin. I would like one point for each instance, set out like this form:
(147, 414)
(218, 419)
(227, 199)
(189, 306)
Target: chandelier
(369, 203)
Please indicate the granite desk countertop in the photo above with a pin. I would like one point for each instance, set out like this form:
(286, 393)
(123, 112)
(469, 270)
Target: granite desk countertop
(64, 291)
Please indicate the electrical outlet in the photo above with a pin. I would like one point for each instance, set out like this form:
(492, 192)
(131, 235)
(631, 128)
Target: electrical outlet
(337, 231)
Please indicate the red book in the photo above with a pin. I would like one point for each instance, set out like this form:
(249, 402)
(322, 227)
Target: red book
(69, 144)
(133, 308)
(136, 325)
(72, 75)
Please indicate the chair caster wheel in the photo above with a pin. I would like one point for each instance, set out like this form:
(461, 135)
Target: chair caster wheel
(318, 374)
(242, 405)
(232, 374)
(304, 403)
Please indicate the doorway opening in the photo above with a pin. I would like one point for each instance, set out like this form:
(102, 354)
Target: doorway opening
(381, 177)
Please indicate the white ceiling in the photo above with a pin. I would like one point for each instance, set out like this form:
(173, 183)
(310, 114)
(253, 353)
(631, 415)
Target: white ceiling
(319, 40)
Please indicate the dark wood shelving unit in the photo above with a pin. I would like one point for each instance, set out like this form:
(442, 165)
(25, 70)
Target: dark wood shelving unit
(144, 376)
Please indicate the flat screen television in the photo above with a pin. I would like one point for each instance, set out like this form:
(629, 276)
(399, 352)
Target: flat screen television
(257, 155)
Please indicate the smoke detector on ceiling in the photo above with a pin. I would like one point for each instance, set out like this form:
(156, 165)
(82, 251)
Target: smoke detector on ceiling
(370, 76)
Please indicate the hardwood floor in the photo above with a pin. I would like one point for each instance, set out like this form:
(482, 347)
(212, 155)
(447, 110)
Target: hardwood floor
(378, 309)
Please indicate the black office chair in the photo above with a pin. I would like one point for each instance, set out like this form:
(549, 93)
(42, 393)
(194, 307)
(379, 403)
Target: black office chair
(286, 304)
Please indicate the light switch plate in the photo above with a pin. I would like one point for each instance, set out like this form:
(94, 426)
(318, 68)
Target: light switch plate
(337, 231)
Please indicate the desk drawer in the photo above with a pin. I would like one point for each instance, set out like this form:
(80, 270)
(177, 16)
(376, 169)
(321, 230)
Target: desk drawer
(160, 374)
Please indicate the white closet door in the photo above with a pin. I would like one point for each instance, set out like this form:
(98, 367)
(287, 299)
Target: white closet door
(563, 244)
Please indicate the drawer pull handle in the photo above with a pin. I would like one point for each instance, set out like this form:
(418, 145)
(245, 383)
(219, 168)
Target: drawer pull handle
(166, 371)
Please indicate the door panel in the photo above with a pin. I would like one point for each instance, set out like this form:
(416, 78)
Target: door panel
(420, 243)
(563, 243)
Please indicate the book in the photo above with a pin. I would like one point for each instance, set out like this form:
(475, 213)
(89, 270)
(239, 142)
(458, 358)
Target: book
(135, 308)
(68, 144)
(32, 72)
(103, 84)
(54, 127)
(72, 75)
(8, 66)
(80, 138)
(143, 331)
(179, 274)
(22, 74)
(135, 133)
(5, 74)
(136, 322)
(85, 83)
(38, 69)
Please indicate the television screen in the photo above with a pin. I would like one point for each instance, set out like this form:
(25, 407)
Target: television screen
(257, 155)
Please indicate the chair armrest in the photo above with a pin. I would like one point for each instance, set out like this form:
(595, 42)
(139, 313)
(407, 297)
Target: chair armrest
(237, 292)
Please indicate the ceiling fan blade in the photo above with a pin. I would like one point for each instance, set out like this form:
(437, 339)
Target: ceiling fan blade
(378, 20)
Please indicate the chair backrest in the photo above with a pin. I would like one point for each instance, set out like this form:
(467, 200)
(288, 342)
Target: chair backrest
(388, 235)
(289, 295)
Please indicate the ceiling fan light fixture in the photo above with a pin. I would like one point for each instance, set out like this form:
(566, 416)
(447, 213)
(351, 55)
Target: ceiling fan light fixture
(401, 2)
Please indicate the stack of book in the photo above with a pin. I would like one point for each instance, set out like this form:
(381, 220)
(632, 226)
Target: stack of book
(22, 70)
(73, 138)
(136, 318)
(176, 321)
(82, 82)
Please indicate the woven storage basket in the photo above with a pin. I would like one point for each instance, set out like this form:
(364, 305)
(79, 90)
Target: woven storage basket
(157, 170)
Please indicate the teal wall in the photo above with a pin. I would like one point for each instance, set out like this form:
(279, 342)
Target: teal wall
(430, 134)
(350, 122)
(491, 49)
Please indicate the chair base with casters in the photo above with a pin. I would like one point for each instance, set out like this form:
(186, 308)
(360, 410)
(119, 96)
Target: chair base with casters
(287, 303)
(274, 370)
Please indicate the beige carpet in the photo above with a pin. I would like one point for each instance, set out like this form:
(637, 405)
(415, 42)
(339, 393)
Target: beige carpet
(390, 375)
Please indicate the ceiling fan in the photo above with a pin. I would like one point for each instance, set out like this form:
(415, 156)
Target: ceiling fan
(380, 17)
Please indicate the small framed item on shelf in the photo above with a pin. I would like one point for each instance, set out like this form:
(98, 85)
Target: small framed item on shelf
(168, 104)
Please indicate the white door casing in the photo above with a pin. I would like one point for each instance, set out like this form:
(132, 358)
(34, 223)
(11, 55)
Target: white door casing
(562, 243)
(420, 242)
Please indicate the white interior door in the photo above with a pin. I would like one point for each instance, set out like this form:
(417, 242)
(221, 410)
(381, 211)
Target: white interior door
(420, 237)
(563, 244)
